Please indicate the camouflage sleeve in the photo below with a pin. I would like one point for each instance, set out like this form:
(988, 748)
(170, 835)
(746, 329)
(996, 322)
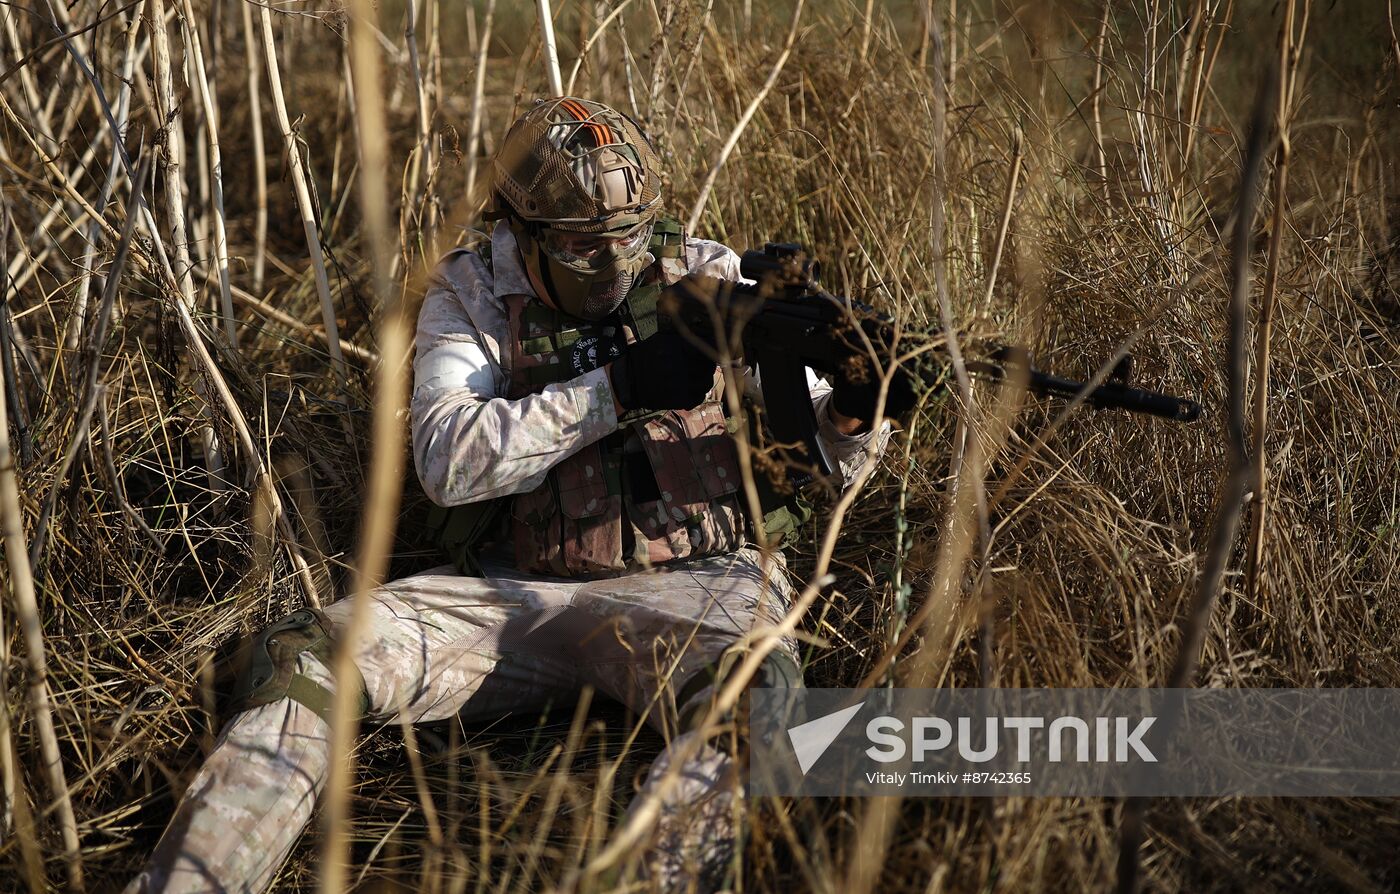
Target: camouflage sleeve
(470, 442)
(720, 261)
(849, 450)
(712, 259)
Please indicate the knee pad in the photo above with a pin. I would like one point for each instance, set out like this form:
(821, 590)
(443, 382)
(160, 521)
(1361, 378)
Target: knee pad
(270, 671)
(777, 671)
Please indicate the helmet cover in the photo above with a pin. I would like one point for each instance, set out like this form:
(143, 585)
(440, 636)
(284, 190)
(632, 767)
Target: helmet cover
(580, 165)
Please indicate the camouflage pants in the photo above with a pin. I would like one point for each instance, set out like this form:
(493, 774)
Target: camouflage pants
(441, 644)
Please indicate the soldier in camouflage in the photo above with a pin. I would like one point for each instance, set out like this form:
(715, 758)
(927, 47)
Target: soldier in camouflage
(585, 454)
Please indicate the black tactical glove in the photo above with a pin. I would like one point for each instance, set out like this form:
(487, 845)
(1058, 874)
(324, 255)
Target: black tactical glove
(664, 372)
(857, 388)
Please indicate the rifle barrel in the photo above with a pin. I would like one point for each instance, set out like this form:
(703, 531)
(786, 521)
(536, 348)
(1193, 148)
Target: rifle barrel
(1108, 396)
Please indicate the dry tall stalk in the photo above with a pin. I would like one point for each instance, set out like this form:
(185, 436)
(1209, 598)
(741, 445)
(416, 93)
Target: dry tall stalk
(551, 53)
(743, 122)
(478, 102)
(297, 169)
(259, 150)
(1289, 48)
(195, 53)
(168, 112)
(171, 168)
(386, 459)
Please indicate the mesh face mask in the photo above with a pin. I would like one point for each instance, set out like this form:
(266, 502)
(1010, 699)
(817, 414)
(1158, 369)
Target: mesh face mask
(583, 281)
(606, 297)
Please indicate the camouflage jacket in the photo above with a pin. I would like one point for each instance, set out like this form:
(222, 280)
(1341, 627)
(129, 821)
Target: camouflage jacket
(471, 440)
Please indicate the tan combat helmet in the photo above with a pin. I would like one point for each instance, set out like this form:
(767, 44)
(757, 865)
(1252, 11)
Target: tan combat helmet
(582, 184)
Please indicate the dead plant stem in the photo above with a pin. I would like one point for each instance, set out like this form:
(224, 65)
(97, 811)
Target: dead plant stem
(298, 170)
(1255, 579)
(551, 53)
(743, 122)
(204, 94)
(259, 149)
(478, 104)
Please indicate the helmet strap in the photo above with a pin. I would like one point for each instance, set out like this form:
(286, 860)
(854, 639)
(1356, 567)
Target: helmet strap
(546, 279)
(532, 259)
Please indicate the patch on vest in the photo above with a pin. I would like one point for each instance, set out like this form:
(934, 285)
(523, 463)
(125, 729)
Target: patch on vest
(593, 351)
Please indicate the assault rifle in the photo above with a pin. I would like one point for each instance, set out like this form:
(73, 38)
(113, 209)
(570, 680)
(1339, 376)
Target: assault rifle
(785, 322)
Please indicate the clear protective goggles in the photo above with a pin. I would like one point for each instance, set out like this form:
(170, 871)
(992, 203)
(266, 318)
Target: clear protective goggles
(589, 253)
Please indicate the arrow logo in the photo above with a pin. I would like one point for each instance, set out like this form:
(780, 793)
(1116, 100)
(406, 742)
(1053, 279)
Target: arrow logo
(810, 740)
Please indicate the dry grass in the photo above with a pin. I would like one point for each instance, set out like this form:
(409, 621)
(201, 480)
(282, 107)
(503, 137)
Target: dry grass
(1125, 123)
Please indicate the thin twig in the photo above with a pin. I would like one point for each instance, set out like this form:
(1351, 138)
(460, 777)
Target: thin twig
(1097, 101)
(1288, 60)
(118, 485)
(37, 51)
(1008, 205)
(420, 160)
(593, 38)
(551, 53)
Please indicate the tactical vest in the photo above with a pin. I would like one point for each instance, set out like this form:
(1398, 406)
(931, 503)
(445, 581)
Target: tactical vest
(665, 487)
